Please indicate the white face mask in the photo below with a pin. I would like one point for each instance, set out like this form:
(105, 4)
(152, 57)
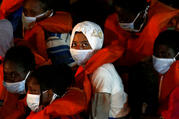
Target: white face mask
(27, 21)
(130, 26)
(18, 87)
(81, 56)
(162, 65)
(33, 101)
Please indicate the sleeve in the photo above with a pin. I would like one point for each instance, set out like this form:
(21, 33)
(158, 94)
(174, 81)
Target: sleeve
(102, 81)
(100, 106)
(13, 108)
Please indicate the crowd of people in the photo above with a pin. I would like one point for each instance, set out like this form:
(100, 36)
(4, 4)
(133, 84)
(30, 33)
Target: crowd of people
(89, 59)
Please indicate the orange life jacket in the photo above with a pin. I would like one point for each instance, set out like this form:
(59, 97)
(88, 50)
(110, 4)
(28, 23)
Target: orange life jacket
(61, 22)
(173, 106)
(9, 6)
(139, 45)
(169, 82)
(12, 108)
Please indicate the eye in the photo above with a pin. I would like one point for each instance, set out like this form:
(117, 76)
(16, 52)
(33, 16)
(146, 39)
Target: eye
(85, 44)
(73, 44)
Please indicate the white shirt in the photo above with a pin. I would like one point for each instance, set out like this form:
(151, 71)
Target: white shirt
(106, 80)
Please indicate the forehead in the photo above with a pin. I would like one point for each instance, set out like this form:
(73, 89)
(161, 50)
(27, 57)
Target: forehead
(32, 82)
(32, 4)
(161, 47)
(10, 66)
(163, 50)
(80, 37)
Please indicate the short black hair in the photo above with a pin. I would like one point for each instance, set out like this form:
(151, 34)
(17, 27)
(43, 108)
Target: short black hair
(55, 77)
(56, 5)
(134, 6)
(169, 38)
(22, 56)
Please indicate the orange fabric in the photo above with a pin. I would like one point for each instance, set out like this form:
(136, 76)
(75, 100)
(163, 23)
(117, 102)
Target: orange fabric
(103, 56)
(12, 108)
(9, 6)
(169, 83)
(76, 101)
(39, 60)
(61, 22)
(71, 104)
(172, 112)
(139, 45)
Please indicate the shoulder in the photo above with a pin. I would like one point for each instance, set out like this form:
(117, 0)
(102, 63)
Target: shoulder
(5, 24)
(111, 19)
(104, 74)
(103, 70)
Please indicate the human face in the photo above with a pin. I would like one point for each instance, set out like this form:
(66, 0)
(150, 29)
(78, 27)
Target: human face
(33, 8)
(13, 73)
(124, 15)
(34, 88)
(80, 42)
(137, 20)
(163, 51)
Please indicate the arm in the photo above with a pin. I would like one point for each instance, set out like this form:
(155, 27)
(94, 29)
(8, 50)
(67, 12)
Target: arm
(101, 105)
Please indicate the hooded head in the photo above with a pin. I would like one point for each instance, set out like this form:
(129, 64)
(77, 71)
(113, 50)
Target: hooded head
(87, 37)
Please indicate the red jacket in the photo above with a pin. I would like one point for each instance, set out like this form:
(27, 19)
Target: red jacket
(173, 106)
(140, 45)
(9, 6)
(61, 22)
(75, 101)
(69, 105)
(169, 83)
(12, 108)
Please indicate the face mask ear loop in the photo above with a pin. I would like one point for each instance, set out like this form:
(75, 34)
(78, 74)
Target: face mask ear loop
(136, 17)
(176, 56)
(144, 16)
(27, 75)
(146, 11)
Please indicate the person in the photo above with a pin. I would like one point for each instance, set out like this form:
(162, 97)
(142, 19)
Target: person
(135, 25)
(6, 39)
(43, 90)
(108, 97)
(17, 65)
(166, 64)
(46, 31)
(12, 10)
